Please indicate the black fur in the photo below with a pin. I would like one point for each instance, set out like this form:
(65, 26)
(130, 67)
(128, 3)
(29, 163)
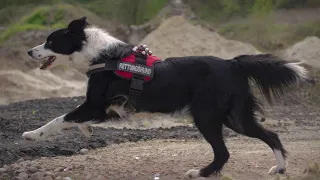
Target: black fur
(216, 90)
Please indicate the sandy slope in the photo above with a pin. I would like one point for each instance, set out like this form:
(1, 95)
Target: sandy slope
(307, 51)
(16, 85)
(177, 37)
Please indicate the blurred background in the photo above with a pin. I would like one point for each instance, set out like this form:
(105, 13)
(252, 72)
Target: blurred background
(223, 28)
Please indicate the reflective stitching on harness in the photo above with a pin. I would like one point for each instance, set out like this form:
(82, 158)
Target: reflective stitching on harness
(135, 68)
(96, 66)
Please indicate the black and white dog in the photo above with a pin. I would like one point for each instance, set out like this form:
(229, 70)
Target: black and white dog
(215, 90)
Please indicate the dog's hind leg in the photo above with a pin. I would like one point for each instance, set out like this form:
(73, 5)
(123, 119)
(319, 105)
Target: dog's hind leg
(209, 124)
(242, 120)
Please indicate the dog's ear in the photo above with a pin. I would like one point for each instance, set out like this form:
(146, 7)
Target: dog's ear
(78, 24)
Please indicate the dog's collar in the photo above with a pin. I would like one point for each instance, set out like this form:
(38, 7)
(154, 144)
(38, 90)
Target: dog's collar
(107, 66)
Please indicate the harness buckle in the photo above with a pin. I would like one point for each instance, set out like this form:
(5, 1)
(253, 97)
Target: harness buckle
(135, 90)
(136, 86)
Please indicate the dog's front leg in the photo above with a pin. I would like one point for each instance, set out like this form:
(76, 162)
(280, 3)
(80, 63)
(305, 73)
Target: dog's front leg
(80, 117)
(51, 128)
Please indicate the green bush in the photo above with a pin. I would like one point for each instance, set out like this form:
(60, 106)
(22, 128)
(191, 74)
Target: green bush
(7, 3)
(41, 18)
(288, 4)
(126, 11)
(45, 16)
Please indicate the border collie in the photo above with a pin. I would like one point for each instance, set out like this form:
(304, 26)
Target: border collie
(216, 91)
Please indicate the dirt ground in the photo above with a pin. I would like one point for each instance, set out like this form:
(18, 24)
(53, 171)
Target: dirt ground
(122, 153)
(170, 159)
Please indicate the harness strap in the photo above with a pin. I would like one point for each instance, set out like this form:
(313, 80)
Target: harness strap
(141, 54)
(136, 85)
(107, 66)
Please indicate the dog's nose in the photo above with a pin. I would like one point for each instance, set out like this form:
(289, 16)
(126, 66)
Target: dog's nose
(30, 52)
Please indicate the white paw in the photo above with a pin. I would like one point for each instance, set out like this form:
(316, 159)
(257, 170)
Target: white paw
(275, 169)
(34, 135)
(193, 173)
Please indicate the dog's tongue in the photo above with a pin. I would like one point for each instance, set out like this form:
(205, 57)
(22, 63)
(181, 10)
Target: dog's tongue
(47, 63)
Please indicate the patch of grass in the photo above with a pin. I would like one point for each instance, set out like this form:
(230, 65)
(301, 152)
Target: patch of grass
(126, 11)
(12, 13)
(6, 3)
(45, 16)
(145, 14)
(41, 18)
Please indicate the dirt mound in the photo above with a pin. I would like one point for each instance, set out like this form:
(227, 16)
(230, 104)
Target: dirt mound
(16, 85)
(177, 37)
(306, 51)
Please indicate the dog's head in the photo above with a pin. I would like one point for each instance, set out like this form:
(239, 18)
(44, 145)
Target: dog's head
(61, 44)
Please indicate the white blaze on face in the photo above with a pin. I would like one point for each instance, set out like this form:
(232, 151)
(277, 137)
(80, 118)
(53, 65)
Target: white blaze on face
(97, 41)
(50, 58)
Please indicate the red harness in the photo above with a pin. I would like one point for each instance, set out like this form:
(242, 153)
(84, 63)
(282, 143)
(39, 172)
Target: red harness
(137, 67)
(132, 61)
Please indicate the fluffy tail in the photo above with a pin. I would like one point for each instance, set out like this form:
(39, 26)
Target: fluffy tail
(271, 74)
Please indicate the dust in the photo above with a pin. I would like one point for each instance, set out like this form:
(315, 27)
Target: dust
(144, 120)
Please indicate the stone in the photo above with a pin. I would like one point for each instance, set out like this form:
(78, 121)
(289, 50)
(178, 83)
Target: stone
(88, 177)
(22, 176)
(37, 176)
(59, 169)
(32, 169)
(62, 174)
(47, 178)
(100, 178)
(84, 151)
(48, 173)
(67, 178)
(20, 160)
(16, 167)
(135, 173)
(58, 178)
(22, 169)
(2, 170)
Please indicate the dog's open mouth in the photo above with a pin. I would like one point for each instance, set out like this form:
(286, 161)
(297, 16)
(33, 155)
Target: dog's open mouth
(48, 61)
